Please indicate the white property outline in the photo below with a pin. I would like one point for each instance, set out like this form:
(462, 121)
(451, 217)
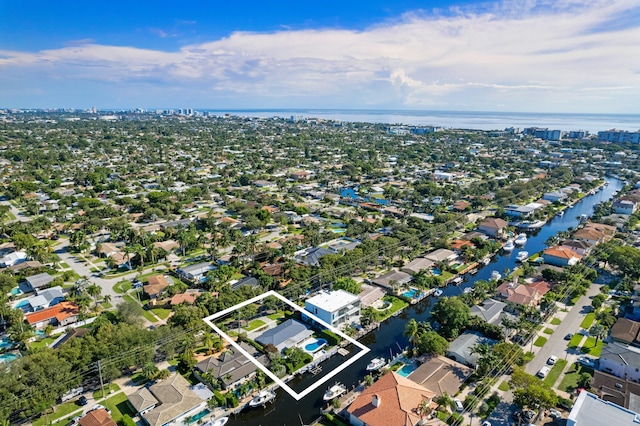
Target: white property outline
(265, 370)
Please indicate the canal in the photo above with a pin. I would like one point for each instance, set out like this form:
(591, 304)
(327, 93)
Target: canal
(388, 339)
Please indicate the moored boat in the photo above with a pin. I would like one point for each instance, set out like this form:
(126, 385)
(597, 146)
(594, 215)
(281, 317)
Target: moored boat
(495, 275)
(438, 292)
(522, 256)
(457, 280)
(334, 391)
(262, 398)
(376, 364)
(509, 246)
(467, 290)
(521, 239)
(219, 422)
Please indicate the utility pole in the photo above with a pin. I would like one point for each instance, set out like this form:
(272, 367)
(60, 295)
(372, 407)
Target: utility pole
(100, 374)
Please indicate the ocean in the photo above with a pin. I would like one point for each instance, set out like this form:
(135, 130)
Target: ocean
(479, 120)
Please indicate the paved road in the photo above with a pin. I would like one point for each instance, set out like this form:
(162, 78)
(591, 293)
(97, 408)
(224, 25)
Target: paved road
(20, 217)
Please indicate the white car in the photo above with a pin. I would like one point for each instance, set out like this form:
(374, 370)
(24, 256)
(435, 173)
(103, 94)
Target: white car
(542, 373)
(555, 413)
(552, 360)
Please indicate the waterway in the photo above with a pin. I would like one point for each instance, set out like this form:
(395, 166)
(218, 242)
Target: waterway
(388, 339)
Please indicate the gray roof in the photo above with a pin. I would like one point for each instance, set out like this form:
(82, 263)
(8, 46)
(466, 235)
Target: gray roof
(417, 265)
(175, 399)
(39, 280)
(440, 255)
(312, 257)
(197, 269)
(285, 335)
(460, 349)
(45, 297)
(620, 354)
(589, 410)
(142, 400)
(397, 276)
(246, 281)
(229, 366)
(489, 310)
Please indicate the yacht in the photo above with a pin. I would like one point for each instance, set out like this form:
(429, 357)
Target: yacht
(457, 280)
(262, 398)
(521, 239)
(473, 271)
(467, 290)
(486, 260)
(561, 213)
(334, 391)
(219, 422)
(376, 364)
(522, 256)
(495, 275)
(438, 292)
(509, 246)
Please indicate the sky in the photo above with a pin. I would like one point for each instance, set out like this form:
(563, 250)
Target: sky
(514, 55)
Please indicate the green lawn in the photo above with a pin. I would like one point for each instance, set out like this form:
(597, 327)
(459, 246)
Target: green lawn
(556, 321)
(43, 342)
(548, 331)
(396, 305)
(62, 410)
(446, 275)
(590, 347)
(575, 340)
(570, 380)
(276, 316)
(254, 324)
(108, 388)
(555, 372)
(504, 386)
(540, 341)
(588, 320)
(122, 286)
(119, 406)
(148, 315)
(574, 300)
(106, 305)
(162, 313)
(64, 265)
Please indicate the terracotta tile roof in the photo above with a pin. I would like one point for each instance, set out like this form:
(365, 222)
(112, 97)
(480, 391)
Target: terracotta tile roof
(398, 399)
(188, 296)
(495, 223)
(561, 253)
(60, 312)
(155, 284)
(97, 418)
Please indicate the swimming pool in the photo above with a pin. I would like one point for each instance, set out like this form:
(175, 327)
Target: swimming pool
(22, 304)
(412, 294)
(315, 346)
(15, 291)
(406, 370)
(8, 357)
(436, 271)
(4, 343)
(200, 415)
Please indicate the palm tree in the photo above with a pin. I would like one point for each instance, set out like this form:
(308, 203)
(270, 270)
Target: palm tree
(424, 408)
(140, 251)
(598, 331)
(94, 291)
(412, 331)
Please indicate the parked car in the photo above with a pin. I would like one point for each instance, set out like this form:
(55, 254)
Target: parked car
(568, 336)
(83, 400)
(555, 413)
(552, 360)
(542, 373)
(529, 415)
(587, 362)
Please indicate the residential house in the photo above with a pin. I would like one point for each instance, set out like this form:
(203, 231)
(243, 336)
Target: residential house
(286, 335)
(521, 294)
(442, 255)
(167, 246)
(155, 285)
(555, 196)
(461, 205)
(522, 211)
(230, 367)
(489, 310)
(441, 375)
(98, 417)
(461, 349)
(625, 206)
(369, 295)
(45, 299)
(621, 360)
(393, 280)
(581, 247)
(60, 315)
(196, 272)
(589, 410)
(417, 265)
(36, 282)
(312, 256)
(589, 235)
(337, 307)
(189, 297)
(622, 392)
(392, 400)
(13, 259)
(560, 256)
(493, 226)
(166, 401)
(625, 331)
(245, 282)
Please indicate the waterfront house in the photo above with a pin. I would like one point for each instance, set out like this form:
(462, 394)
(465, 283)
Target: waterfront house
(337, 308)
(286, 335)
(560, 256)
(461, 349)
(393, 280)
(417, 265)
(167, 401)
(441, 375)
(196, 272)
(624, 206)
(392, 400)
(493, 226)
(230, 367)
(60, 315)
(489, 310)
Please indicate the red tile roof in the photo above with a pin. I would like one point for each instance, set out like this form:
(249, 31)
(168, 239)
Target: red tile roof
(60, 312)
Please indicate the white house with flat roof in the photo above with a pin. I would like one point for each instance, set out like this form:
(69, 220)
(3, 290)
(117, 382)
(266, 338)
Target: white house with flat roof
(589, 410)
(336, 307)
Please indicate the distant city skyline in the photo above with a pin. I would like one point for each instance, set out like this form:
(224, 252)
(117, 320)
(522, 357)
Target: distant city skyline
(566, 56)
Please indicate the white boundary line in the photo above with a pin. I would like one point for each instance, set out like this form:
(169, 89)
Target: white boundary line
(363, 349)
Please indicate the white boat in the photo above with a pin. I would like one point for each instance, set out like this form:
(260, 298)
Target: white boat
(334, 391)
(438, 292)
(262, 398)
(509, 246)
(473, 271)
(457, 280)
(561, 213)
(486, 260)
(522, 256)
(495, 275)
(219, 422)
(584, 217)
(521, 239)
(467, 290)
(376, 364)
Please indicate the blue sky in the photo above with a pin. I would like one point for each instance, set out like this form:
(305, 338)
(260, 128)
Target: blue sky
(514, 55)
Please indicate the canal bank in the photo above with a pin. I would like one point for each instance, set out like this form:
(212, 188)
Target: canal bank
(388, 340)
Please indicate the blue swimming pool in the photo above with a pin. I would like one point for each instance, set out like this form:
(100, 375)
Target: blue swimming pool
(200, 415)
(22, 304)
(4, 343)
(15, 291)
(436, 271)
(8, 357)
(406, 370)
(413, 293)
(315, 346)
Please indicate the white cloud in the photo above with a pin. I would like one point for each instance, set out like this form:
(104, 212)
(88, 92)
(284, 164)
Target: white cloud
(525, 55)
